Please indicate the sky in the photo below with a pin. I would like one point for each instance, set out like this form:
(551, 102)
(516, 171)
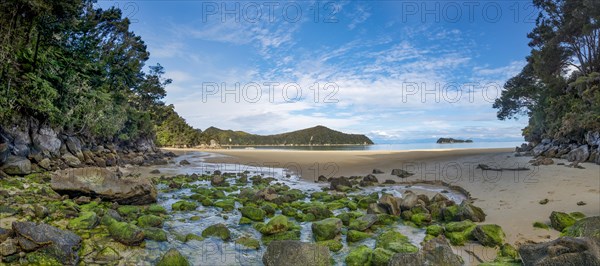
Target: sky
(398, 71)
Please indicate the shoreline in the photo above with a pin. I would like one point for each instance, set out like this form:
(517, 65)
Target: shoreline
(509, 198)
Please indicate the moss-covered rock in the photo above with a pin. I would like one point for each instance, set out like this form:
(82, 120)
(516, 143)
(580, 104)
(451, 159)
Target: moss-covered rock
(190, 237)
(421, 219)
(288, 235)
(396, 242)
(183, 205)
(217, 230)
(489, 235)
(458, 233)
(326, 229)
(332, 244)
(41, 258)
(277, 224)
(381, 257)
(86, 220)
(126, 233)
(348, 217)
(129, 211)
(435, 230)
(155, 234)
(386, 219)
(173, 258)
(577, 215)
(363, 223)
(541, 225)
(227, 204)
(359, 256)
(253, 213)
(318, 211)
(244, 220)
(156, 209)
(248, 242)
(561, 220)
(107, 255)
(150, 221)
(586, 227)
(355, 236)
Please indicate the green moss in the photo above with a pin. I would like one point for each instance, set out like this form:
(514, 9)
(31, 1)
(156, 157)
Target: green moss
(458, 233)
(217, 230)
(269, 208)
(227, 204)
(155, 234)
(41, 258)
(253, 213)
(125, 233)
(156, 209)
(183, 205)
(561, 220)
(381, 257)
(449, 213)
(459, 226)
(245, 220)
(190, 237)
(541, 225)
(86, 220)
(348, 217)
(395, 241)
(386, 219)
(489, 235)
(129, 211)
(173, 258)
(577, 215)
(355, 236)
(335, 205)
(207, 202)
(107, 254)
(326, 229)
(435, 230)
(150, 221)
(332, 244)
(359, 256)
(288, 235)
(277, 224)
(90, 207)
(421, 219)
(248, 242)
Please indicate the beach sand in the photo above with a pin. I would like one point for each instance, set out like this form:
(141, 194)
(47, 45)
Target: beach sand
(509, 198)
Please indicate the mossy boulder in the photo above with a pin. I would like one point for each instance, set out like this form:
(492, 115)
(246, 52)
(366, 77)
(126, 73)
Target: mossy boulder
(586, 227)
(86, 220)
(155, 234)
(396, 242)
(248, 242)
(458, 233)
(244, 220)
(348, 217)
(489, 235)
(217, 230)
(318, 211)
(364, 222)
(332, 245)
(183, 205)
(561, 220)
(190, 237)
(421, 219)
(107, 255)
(355, 236)
(127, 234)
(326, 229)
(381, 257)
(277, 224)
(435, 230)
(253, 213)
(156, 209)
(227, 204)
(359, 256)
(541, 225)
(150, 221)
(129, 211)
(288, 235)
(40, 258)
(173, 258)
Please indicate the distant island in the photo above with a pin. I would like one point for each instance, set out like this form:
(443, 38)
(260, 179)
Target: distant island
(318, 135)
(451, 140)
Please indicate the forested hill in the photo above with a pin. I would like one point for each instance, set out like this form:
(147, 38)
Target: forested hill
(69, 70)
(559, 87)
(318, 135)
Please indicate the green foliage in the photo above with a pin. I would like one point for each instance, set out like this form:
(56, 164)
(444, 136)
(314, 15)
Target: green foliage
(80, 69)
(558, 106)
(318, 135)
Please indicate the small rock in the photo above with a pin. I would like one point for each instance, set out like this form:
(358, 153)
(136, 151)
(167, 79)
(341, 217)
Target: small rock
(184, 162)
(389, 181)
(581, 203)
(401, 173)
(377, 171)
(155, 171)
(173, 258)
(544, 201)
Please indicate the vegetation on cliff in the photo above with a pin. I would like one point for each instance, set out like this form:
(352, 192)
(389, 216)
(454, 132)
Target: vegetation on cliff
(81, 71)
(318, 135)
(559, 88)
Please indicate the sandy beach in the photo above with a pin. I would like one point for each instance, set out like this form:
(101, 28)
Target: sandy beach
(509, 198)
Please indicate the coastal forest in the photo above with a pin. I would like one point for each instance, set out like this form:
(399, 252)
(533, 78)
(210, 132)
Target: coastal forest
(80, 71)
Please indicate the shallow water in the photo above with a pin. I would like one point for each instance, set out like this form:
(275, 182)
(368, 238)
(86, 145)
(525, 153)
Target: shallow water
(216, 252)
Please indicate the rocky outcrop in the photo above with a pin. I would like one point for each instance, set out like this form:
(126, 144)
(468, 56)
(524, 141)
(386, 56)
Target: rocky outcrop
(584, 149)
(16, 166)
(562, 251)
(296, 253)
(105, 184)
(63, 245)
(436, 251)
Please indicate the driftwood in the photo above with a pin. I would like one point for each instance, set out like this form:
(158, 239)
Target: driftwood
(486, 167)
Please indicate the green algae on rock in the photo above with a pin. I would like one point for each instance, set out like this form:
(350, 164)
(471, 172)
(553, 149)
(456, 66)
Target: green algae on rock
(326, 229)
(561, 220)
(173, 258)
(489, 235)
(359, 256)
(217, 230)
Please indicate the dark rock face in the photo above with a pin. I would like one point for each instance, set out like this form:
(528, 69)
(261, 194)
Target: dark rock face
(401, 173)
(468, 211)
(4, 152)
(581, 154)
(16, 166)
(46, 139)
(295, 253)
(340, 182)
(562, 251)
(61, 244)
(436, 251)
(390, 203)
(102, 183)
(586, 227)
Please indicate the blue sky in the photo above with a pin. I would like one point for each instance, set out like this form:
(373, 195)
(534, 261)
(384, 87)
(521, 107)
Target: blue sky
(398, 71)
